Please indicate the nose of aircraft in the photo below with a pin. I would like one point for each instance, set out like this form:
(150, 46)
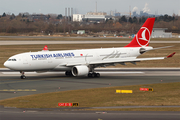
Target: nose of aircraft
(11, 65)
(6, 64)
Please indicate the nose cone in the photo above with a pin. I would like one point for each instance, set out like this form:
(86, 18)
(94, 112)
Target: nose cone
(9, 65)
(6, 64)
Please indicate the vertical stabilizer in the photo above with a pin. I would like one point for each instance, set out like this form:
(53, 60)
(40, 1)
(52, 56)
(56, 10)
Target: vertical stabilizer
(142, 38)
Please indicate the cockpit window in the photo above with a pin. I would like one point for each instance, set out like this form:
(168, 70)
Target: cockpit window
(11, 59)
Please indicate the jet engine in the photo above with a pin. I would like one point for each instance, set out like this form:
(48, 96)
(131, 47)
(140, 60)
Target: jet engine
(142, 50)
(80, 70)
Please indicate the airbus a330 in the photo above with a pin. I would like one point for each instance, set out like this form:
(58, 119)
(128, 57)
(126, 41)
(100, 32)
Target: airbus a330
(83, 62)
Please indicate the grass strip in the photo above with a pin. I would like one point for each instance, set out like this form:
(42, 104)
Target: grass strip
(163, 94)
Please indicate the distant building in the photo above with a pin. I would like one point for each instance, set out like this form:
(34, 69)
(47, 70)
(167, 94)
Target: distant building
(143, 14)
(160, 33)
(78, 17)
(112, 13)
(96, 13)
(134, 14)
(117, 14)
(96, 17)
(38, 17)
(81, 32)
(91, 17)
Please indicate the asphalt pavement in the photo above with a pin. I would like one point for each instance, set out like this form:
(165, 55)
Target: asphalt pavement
(12, 86)
(36, 114)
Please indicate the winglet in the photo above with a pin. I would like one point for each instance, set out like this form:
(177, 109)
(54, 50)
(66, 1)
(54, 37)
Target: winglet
(171, 55)
(45, 48)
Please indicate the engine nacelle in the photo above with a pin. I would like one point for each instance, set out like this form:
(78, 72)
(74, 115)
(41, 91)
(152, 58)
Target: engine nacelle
(142, 50)
(80, 70)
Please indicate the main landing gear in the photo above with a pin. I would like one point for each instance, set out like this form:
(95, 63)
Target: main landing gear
(92, 75)
(22, 75)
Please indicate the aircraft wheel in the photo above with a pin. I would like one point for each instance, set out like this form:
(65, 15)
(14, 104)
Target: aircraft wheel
(97, 75)
(23, 77)
(93, 75)
(89, 75)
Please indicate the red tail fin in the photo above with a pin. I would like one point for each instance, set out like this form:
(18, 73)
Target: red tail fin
(142, 38)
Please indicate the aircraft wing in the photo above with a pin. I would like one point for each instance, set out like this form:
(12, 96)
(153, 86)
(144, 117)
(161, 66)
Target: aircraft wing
(120, 61)
(124, 60)
(75, 63)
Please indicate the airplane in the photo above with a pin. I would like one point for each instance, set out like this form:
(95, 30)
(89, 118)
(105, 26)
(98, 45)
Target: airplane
(83, 62)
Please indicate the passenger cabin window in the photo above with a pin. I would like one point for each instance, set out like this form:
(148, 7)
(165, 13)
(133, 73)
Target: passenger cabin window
(11, 59)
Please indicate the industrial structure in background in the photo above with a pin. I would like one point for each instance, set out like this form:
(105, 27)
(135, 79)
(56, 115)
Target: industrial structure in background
(97, 17)
(96, 23)
(103, 16)
(69, 16)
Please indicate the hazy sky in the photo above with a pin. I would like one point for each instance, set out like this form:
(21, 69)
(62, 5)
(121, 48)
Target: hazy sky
(83, 6)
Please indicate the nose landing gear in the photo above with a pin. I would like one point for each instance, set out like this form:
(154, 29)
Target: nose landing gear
(22, 75)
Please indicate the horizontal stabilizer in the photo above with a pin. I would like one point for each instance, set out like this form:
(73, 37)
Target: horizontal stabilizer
(143, 50)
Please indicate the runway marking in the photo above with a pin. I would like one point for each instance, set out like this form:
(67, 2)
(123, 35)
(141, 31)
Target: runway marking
(20, 90)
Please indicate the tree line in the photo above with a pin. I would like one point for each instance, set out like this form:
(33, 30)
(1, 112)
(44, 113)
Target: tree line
(51, 24)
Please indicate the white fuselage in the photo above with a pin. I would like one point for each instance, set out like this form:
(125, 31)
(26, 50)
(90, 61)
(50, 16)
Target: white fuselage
(64, 60)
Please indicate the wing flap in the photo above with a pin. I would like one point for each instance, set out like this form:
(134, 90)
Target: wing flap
(76, 63)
